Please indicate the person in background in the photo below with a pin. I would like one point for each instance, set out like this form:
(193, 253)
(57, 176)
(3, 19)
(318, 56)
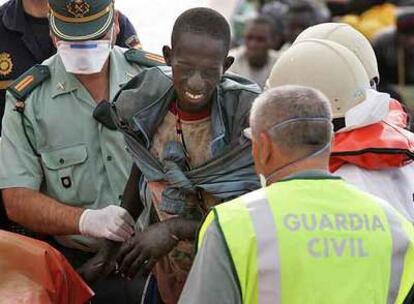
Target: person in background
(395, 52)
(301, 15)
(276, 10)
(63, 164)
(255, 59)
(372, 149)
(24, 33)
(306, 236)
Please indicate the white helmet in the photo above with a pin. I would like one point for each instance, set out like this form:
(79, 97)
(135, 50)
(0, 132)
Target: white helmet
(350, 38)
(326, 66)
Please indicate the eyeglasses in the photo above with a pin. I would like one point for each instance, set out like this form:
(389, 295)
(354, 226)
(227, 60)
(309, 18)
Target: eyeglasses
(248, 131)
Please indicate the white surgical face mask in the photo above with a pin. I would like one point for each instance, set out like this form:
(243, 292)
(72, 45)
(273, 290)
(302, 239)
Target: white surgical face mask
(84, 57)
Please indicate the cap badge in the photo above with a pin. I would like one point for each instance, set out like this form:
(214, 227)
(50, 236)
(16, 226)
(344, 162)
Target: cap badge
(78, 8)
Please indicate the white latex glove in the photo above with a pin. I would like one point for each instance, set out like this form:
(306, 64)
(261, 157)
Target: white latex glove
(112, 223)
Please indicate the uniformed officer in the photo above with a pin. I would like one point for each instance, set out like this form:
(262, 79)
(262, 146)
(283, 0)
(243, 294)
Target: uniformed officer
(63, 165)
(24, 33)
(307, 236)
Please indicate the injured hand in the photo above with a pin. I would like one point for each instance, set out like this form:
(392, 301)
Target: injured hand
(146, 248)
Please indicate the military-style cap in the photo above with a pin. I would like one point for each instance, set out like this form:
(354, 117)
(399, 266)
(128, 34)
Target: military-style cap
(79, 20)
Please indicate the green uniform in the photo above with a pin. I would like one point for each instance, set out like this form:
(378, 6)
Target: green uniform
(81, 162)
(305, 240)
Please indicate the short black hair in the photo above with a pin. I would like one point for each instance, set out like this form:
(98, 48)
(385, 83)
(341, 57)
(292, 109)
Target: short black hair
(266, 20)
(204, 21)
(305, 7)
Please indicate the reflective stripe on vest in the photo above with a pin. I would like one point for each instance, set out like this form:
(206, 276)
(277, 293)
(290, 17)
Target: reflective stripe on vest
(266, 244)
(400, 246)
(318, 241)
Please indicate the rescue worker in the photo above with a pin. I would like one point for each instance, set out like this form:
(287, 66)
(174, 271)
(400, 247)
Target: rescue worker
(306, 236)
(183, 126)
(63, 164)
(373, 150)
(350, 38)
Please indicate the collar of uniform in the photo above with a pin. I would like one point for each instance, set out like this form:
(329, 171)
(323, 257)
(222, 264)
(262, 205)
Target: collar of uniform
(310, 174)
(119, 63)
(13, 16)
(65, 83)
(62, 82)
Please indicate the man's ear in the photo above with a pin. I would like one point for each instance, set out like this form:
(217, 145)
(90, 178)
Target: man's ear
(228, 63)
(167, 52)
(265, 151)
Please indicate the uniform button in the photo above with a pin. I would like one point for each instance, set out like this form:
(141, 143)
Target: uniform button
(120, 197)
(61, 161)
(109, 158)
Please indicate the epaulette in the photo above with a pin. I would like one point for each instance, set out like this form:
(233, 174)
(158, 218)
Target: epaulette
(26, 83)
(144, 58)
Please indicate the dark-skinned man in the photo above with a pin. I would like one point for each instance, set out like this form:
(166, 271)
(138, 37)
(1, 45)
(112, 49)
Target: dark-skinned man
(183, 126)
(255, 59)
(63, 164)
(301, 15)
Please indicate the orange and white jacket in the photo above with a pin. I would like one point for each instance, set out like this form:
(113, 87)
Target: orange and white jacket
(378, 159)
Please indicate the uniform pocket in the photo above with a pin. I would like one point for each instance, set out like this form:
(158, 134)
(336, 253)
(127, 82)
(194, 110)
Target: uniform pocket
(64, 158)
(67, 175)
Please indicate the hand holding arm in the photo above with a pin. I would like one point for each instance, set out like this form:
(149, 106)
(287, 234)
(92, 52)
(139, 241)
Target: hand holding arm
(104, 262)
(147, 247)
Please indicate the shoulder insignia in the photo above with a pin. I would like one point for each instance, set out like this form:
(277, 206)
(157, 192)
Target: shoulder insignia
(26, 83)
(6, 64)
(144, 58)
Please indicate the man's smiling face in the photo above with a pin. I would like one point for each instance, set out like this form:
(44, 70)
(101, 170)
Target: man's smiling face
(198, 63)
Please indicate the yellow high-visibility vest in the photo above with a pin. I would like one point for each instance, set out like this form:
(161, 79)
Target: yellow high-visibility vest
(316, 241)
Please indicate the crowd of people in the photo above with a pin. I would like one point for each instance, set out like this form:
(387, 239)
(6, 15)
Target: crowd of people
(388, 25)
(279, 171)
